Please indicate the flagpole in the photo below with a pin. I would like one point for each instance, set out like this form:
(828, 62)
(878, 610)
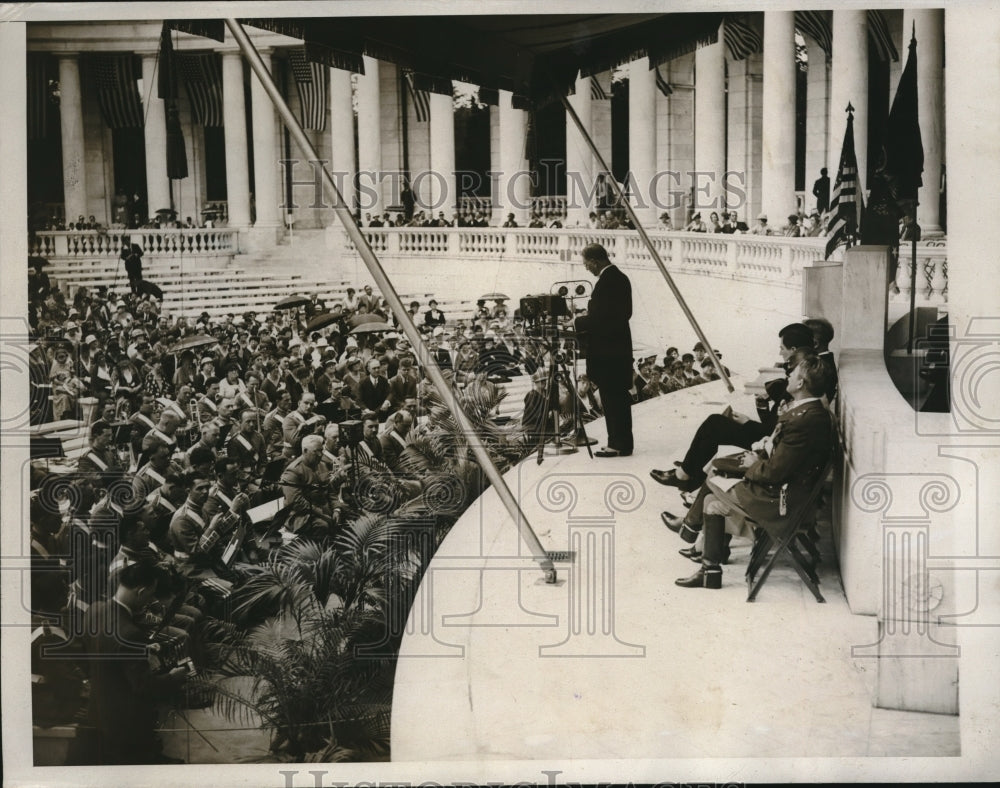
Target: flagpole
(649, 244)
(913, 285)
(538, 552)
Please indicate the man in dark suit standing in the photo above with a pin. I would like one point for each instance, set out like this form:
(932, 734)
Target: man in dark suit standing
(374, 390)
(609, 347)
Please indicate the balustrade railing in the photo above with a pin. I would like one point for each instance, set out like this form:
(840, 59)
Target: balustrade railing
(752, 257)
(163, 243)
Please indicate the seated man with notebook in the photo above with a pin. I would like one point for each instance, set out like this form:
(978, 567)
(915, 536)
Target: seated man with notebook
(779, 474)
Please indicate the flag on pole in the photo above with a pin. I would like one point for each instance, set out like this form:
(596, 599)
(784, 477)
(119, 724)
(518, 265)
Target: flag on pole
(118, 91)
(816, 25)
(597, 93)
(846, 198)
(203, 83)
(741, 39)
(421, 100)
(878, 31)
(661, 84)
(904, 150)
(312, 83)
(167, 90)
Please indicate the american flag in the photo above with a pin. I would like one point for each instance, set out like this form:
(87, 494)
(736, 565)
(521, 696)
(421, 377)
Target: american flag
(203, 82)
(878, 31)
(311, 80)
(661, 84)
(845, 202)
(117, 91)
(597, 93)
(421, 100)
(741, 39)
(816, 25)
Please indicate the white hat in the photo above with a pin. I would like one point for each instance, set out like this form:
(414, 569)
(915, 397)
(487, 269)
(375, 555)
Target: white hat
(294, 342)
(351, 342)
(762, 217)
(322, 342)
(89, 338)
(438, 331)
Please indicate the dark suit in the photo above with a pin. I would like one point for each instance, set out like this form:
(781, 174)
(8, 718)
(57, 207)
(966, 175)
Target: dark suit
(609, 352)
(373, 394)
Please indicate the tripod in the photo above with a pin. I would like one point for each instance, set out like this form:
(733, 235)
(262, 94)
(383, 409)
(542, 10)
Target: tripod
(559, 372)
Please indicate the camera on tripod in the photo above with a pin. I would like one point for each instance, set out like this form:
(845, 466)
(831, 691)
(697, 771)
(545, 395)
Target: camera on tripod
(535, 308)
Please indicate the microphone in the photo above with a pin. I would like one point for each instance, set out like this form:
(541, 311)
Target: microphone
(572, 288)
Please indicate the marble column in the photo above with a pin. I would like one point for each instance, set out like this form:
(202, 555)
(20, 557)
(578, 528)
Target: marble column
(930, 107)
(778, 133)
(73, 147)
(343, 164)
(267, 192)
(513, 186)
(155, 132)
(710, 128)
(642, 138)
(817, 117)
(442, 178)
(369, 139)
(849, 84)
(580, 174)
(237, 152)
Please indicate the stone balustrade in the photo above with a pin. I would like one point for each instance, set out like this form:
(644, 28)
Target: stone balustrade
(747, 257)
(75, 244)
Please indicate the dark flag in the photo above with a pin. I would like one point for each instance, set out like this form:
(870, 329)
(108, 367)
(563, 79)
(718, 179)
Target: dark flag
(904, 150)
(846, 197)
(168, 91)
(662, 85)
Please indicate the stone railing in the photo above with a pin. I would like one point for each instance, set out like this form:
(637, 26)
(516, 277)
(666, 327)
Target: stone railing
(70, 244)
(771, 258)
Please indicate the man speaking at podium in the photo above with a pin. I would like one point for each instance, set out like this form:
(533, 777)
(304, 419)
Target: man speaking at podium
(605, 330)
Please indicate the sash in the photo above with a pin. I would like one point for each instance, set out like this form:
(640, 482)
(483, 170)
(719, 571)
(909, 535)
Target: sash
(367, 450)
(151, 473)
(241, 439)
(222, 497)
(39, 548)
(398, 438)
(209, 404)
(94, 458)
(194, 516)
(144, 418)
(331, 458)
(162, 436)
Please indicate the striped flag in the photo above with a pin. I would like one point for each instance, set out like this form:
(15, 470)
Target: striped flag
(203, 82)
(421, 100)
(881, 39)
(845, 202)
(118, 91)
(741, 39)
(38, 96)
(816, 25)
(661, 84)
(312, 82)
(597, 93)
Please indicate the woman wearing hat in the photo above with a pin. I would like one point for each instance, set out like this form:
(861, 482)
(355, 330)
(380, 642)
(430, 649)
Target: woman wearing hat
(696, 225)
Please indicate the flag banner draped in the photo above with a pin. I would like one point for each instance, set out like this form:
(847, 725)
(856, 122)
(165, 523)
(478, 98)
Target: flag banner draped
(312, 83)
(38, 96)
(881, 39)
(904, 151)
(489, 96)
(421, 100)
(116, 78)
(742, 40)
(816, 25)
(203, 83)
(167, 90)
(846, 197)
(597, 93)
(661, 84)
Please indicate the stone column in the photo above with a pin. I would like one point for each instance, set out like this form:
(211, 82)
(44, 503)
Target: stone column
(442, 131)
(155, 132)
(73, 149)
(817, 117)
(580, 174)
(513, 186)
(267, 192)
(709, 127)
(849, 83)
(930, 97)
(369, 139)
(642, 138)
(778, 143)
(342, 158)
(237, 158)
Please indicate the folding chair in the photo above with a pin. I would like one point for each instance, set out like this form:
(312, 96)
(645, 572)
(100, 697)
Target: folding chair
(801, 531)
